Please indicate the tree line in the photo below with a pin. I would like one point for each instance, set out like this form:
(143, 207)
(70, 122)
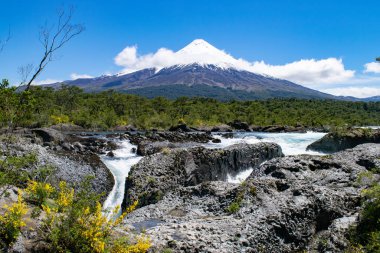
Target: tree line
(106, 110)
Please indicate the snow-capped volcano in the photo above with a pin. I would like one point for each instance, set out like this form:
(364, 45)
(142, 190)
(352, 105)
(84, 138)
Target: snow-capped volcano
(198, 52)
(202, 53)
(198, 69)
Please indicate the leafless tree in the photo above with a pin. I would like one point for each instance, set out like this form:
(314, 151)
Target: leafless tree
(378, 59)
(5, 41)
(24, 72)
(53, 38)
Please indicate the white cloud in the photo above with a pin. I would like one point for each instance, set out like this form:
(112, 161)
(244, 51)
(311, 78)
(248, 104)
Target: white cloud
(372, 67)
(360, 92)
(75, 76)
(309, 72)
(328, 75)
(46, 81)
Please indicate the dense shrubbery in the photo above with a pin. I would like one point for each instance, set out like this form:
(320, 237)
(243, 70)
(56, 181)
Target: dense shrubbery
(73, 222)
(105, 110)
(365, 237)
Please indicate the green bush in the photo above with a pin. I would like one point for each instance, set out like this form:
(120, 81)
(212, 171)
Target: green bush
(234, 207)
(12, 221)
(366, 235)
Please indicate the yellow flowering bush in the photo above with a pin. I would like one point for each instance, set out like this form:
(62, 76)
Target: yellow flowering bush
(122, 245)
(11, 221)
(94, 228)
(65, 196)
(77, 224)
(59, 119)
(38, 192)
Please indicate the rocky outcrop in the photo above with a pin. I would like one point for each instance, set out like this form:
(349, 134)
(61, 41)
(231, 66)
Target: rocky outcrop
(182, 128)
(155, 175)
(337, 141)
(216, 128)
(67, 127)
(73, 165)
(155, 141)
(289, 204)
(149, 148)
(239, 125)
(153, 136)
(49, 135)
(279, 129)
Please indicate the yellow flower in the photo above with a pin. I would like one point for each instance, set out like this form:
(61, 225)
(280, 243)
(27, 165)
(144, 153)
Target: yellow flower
(11, 221)
(65, 196)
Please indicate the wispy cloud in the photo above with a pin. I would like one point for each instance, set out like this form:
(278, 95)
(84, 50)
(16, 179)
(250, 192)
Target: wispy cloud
(309, 72)
(46, 81)
(372, 67)
(74, 76)
(360, 92)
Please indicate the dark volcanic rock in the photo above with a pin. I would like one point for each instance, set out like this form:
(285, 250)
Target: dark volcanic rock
(216, 128)
(239, 125)
(149, 148)
(70, 161)
(153, 142)
(279, 129)
(154, 175)
(338, 141)
(199, 137)
(289, 204)
(181, 128)
(49, 135)
(67, 127)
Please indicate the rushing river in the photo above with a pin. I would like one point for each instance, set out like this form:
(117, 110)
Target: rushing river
(124, 159)
(120, 166)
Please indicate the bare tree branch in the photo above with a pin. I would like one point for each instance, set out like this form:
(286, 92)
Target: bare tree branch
(54, 37)
(5, 41)
(24, 72)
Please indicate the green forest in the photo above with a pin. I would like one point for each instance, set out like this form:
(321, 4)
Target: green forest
(40, 107)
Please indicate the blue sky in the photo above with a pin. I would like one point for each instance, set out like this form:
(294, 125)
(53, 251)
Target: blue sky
(278, 32)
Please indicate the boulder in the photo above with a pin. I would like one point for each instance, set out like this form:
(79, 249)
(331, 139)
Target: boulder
(181, 128)
(149, 148)
(279, 129)
(173, 137)
(124, 128)
(337, 141)
(215, 128)
(239, 125)
(49, 135)
(67, 127)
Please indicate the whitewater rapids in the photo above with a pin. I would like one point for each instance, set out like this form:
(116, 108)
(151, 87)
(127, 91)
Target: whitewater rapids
(124, 159)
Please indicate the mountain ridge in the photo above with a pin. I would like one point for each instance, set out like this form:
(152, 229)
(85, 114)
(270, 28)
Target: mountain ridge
(201, 65)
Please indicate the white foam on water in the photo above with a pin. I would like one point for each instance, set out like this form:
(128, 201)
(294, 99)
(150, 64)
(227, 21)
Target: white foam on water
(243, 175)
(124, 159)
(119, 165)
(291, 144)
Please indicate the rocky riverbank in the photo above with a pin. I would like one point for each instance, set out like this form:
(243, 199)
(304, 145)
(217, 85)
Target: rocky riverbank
(344, 139)
(69, 158)
(288, 204)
